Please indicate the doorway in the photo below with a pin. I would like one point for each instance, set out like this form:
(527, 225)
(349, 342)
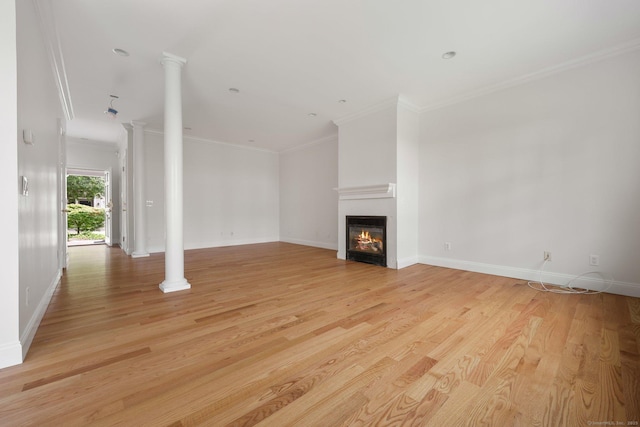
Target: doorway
(89, 207)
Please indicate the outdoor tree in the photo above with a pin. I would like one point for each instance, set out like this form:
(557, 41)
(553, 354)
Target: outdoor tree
(84, 218)
(84, 187)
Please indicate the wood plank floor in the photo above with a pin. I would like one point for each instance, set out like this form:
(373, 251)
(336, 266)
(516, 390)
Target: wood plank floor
(285, 335)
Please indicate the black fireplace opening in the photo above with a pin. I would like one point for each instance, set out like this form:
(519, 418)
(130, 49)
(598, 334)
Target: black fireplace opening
(367, 239)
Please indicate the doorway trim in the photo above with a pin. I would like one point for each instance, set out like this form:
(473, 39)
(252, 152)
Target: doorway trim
(107, 175)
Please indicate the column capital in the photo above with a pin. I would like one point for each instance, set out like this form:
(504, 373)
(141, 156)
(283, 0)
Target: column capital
(169, 58)
(137, 123)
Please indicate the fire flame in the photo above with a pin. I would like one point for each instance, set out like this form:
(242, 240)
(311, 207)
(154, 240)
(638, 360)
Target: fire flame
(365, 242)
(364, 236)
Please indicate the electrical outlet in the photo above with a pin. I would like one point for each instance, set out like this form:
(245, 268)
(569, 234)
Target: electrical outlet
(546, 256)
(594, 259)
(447, 246)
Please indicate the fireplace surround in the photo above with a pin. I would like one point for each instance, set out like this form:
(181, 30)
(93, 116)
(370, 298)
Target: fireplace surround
(367, 239)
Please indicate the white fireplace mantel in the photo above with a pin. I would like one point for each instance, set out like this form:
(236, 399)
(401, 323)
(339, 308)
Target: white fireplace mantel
(382, 191)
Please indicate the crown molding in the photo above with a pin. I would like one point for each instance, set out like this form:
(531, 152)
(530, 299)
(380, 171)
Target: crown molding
(393, 102)
(601, 55)
(213, 141)
(329, 138)
(404, 102)
(51, 40)
(381, 106)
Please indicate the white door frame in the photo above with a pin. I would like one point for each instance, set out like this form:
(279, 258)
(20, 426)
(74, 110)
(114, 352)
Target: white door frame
(63, 255)
(124, 215)
(108, 208)
(101, 173)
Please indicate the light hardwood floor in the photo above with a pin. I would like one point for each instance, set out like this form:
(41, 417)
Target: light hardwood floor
(279, 334)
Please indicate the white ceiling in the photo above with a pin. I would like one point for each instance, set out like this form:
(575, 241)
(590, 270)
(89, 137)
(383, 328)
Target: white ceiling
(290, 58)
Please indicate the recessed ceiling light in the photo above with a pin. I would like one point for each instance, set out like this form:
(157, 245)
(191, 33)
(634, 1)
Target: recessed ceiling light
(312, 114)
(234, 90)
(342, 101)
(120, 52)
(448, 55)
(186, 128)
(252, 140)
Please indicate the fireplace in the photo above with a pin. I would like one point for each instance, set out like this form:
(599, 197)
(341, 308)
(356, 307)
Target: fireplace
(367, 239)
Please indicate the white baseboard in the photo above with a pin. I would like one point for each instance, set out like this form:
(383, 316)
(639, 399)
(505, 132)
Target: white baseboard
(218, 244)
(406, 262)
(323, 245)
(30, 331)
(561, 279)
(231, 242)
(139, 255)
(10, 354)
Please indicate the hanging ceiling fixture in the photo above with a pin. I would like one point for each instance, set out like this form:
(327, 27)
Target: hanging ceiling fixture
(112, 112)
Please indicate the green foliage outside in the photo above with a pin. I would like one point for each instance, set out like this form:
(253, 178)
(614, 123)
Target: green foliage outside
(84, 187)
(84, 218)
(86, 235)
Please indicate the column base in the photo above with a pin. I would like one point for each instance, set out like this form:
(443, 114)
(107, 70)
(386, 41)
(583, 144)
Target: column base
(139, 254)
(174, 285)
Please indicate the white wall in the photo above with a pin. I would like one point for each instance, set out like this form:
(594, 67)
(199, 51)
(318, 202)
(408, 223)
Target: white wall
(368, 149)
(82, 154)
(549, 165)
(231, 194)
(10, 348)
(367, 153)
(308, 201)
(407, 179)
(38, 110)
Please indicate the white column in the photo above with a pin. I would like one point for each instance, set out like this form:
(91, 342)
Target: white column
(174, 239)
(139, 194)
